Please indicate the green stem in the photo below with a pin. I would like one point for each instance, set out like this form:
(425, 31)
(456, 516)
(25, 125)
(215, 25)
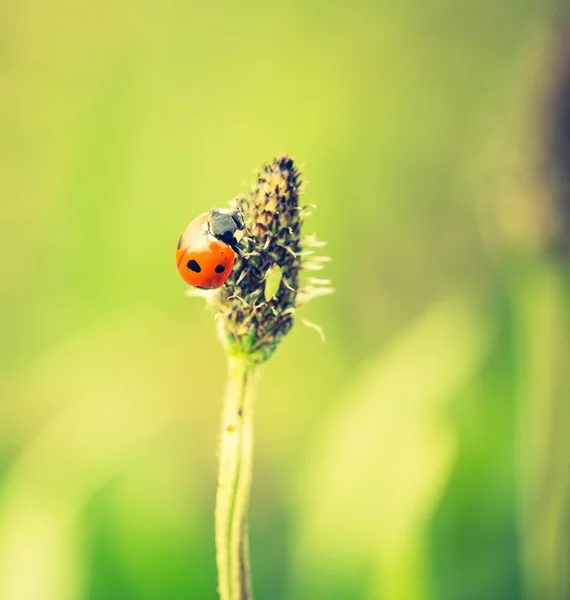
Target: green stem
(234, 481)
(246, 589)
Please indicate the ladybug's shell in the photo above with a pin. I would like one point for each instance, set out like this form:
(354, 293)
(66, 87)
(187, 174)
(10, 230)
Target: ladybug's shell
(203, 261)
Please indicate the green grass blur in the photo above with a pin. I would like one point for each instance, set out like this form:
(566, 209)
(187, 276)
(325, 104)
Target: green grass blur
(386, 463)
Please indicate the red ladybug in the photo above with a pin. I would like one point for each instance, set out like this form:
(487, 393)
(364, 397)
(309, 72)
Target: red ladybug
(207, 249)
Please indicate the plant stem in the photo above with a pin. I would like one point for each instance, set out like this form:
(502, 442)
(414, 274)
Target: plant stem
(234, 481)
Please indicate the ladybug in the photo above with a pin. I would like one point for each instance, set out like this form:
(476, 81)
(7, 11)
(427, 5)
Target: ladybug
(207, 249)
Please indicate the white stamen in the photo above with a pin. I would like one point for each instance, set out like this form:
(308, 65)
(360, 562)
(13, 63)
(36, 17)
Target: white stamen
(316, 327)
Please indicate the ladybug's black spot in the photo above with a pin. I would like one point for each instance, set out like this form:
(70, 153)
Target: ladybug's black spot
(180, 243)
(220, 269)
(193, 266)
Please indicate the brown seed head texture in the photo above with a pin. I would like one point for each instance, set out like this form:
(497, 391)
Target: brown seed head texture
(250, 323)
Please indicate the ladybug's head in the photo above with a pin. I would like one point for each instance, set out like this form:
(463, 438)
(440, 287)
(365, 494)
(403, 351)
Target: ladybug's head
(227, 225)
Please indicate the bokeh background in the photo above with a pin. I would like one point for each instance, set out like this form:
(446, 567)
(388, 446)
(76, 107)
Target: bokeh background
(421, 452)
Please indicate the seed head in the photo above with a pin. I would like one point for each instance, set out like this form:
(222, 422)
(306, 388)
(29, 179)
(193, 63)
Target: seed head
(257, 306)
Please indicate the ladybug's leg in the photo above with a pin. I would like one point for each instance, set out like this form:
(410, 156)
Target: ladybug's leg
(239, 250)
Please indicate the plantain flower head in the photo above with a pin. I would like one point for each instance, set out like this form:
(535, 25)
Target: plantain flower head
(257, 307)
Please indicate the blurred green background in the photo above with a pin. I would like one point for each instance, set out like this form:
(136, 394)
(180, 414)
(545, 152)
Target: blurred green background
(420, 453)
